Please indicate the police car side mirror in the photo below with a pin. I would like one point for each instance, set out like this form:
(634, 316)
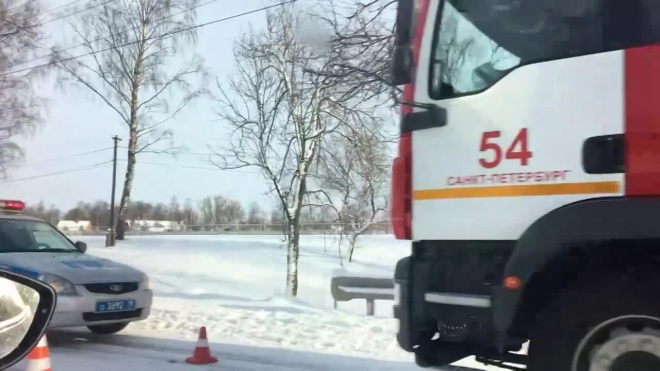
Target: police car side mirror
(81, 246)
(26, 307)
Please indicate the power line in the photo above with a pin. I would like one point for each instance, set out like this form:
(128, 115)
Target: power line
(60, 17)
(175, 153)
(45, 11)
(69, 14)
(60, 7)
(110, 35)
(275, 157)
(67, 156)
(88, 167)
(168, 34)
(192, 167)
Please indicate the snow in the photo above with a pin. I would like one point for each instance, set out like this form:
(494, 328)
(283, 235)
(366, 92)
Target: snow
(234, 286)
(343, 272)
(366, 290)
(80, 350)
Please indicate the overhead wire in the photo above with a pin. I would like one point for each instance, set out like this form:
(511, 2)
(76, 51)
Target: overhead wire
(67, 156)
(88, 167)
(70, 14)
(63, 16)
(45, 11)
(163, 36)
(192, 167)
(107, 36)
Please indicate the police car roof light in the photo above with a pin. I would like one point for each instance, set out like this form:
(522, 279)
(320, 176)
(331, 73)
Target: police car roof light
(12, 205)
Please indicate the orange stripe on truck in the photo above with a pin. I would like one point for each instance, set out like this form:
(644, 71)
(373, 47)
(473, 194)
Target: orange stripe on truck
(519, 190)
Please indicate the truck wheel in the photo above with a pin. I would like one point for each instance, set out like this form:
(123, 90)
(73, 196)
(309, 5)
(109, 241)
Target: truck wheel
(607, 324)
(108, 329)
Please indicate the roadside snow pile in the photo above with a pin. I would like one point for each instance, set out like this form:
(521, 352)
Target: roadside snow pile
(277, 325)
(234, 285)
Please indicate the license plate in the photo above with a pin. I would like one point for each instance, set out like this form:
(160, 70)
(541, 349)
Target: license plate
(114, 306)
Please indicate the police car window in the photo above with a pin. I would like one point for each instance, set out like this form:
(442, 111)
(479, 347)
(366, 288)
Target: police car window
(25, 235)
(48, 238)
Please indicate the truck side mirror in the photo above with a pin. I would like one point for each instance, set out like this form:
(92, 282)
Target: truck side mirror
(402, 61)
(27, 307)
(81, 246)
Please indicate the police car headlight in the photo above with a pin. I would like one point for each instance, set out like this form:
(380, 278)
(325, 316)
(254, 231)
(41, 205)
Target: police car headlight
(146, 283)
(61, 286)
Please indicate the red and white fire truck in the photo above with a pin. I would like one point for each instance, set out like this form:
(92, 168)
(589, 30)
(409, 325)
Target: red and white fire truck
(528, 180)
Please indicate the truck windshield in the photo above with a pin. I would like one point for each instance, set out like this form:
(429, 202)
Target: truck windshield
(464, 58)
(32, 236)
(477, 42)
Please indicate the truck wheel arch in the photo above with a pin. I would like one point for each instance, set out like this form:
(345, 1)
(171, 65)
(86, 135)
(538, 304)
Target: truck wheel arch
(601, 219)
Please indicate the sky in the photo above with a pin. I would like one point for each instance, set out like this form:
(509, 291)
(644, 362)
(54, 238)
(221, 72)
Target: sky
(77, 123)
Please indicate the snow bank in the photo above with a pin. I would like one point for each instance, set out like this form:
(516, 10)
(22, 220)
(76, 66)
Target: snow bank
(234, 285)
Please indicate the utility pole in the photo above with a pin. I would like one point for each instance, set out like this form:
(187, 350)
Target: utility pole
(110, 239)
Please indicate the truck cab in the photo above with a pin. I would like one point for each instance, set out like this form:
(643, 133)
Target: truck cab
(527, 179)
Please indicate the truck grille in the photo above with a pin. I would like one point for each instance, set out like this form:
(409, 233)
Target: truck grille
(116, 288)
(93, 317)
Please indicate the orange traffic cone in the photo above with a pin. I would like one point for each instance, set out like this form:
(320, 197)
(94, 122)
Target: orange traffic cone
(202, 354)
(39, 358)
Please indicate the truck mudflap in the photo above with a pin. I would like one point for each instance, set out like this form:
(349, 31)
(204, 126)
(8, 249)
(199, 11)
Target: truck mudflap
(402, 304)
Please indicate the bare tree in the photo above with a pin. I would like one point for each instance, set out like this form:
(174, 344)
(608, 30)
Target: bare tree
(133, 45)
(362, 44)
(49, 214)
(255, 214)
(234, 212)
(284, 106)
(191, 217)
(20, 110)
(356, 169)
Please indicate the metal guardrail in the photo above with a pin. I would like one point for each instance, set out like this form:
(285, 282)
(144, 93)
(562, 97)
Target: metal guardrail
(256, 229)
(367, 288)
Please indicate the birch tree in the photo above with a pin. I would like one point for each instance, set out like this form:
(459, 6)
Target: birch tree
(279, 112)
(356, 170)
(20, 109)
(136, 64)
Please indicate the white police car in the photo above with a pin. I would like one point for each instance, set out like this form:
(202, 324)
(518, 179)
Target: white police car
(94, 292)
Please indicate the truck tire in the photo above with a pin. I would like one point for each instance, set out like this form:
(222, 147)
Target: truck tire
(108, 329)
(610, 323)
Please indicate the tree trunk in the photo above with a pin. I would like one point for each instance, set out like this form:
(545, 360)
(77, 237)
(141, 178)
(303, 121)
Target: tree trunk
(353, 238)
(351, 242)
(292, 254)
(128, 183)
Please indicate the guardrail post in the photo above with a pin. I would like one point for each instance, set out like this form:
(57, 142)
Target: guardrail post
(370, 307)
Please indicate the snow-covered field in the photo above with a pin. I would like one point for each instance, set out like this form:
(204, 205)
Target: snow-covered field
(234, 286)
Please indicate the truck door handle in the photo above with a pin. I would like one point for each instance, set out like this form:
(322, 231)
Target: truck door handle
(604, 154)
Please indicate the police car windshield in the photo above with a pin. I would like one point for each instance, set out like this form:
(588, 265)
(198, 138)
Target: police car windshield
(32, 236)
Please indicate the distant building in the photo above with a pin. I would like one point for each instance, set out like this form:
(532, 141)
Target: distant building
(155, 225)
(74, 225)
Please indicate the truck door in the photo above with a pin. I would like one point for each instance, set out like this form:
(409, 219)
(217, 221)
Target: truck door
(528, 92)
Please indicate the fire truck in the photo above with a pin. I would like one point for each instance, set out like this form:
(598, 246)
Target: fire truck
(528, 180)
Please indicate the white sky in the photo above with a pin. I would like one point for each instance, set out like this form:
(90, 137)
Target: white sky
(77, 123)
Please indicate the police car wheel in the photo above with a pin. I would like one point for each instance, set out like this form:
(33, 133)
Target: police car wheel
(604, 323)
(108, 329)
